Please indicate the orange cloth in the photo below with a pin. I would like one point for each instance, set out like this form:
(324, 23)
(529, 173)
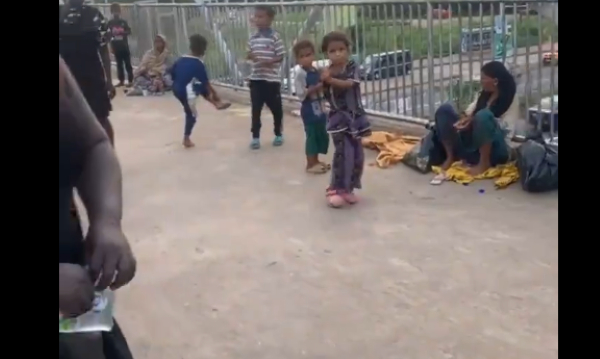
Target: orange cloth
(392, 147)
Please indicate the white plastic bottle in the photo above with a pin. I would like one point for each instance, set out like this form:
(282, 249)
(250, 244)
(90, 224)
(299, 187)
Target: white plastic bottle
(99, 319)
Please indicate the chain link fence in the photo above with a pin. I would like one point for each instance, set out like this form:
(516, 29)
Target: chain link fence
(414, 55)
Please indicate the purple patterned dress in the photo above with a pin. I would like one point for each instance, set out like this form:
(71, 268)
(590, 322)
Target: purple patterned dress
(347, 124)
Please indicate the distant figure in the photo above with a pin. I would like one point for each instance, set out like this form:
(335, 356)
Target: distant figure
(119, 31)
(152, 77)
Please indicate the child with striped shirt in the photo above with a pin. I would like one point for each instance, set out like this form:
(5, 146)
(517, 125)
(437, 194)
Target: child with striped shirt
(266, 51)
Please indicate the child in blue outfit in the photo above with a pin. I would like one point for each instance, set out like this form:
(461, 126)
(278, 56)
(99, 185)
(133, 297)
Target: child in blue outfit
(309, 89)
(190, 81)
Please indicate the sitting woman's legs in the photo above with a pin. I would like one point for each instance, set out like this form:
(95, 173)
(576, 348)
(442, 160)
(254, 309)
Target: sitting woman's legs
(445, 118)
(488, 139)
(141, 83)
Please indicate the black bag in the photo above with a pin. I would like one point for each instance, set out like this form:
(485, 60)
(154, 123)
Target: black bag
(537, 162)
(428, 152)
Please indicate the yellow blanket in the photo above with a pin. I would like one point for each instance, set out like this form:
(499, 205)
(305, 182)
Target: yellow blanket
(392, 147)
(505, 175)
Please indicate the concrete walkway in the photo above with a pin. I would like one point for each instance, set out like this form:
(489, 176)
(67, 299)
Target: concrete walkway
(239, 258)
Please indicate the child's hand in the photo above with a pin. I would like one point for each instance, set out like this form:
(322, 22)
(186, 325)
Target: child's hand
(325, 75)
(463, 123)
(316, 88)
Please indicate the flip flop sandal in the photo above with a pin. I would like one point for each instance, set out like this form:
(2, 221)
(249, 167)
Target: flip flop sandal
(327, 166)
(317, 169)
(438, 179)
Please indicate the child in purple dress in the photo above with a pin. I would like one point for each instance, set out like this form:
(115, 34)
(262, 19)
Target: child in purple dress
(346, 123)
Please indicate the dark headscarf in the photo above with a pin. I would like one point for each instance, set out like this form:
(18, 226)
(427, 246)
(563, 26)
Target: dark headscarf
(507, 88)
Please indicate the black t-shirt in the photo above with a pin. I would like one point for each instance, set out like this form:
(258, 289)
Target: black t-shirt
(81, 33)
(118, 31)
(81, 36)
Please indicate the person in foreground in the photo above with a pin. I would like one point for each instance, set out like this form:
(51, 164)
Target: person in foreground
(309, 89)
(82, 43)
(88, 163)
(190, 80)
(265, 50)
(476, 136)
(119, 32)
(347, 122)
(152, 74)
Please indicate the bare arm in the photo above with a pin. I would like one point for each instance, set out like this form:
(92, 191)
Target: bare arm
(471, 108)
(300, 83)
(345, 80)
(99, 184)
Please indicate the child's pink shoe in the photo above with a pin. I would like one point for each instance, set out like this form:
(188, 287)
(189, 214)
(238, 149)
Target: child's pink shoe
(334, 199)
(350, 198)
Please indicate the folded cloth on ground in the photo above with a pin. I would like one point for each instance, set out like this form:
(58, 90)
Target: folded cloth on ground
(392, 147)
(505, 175)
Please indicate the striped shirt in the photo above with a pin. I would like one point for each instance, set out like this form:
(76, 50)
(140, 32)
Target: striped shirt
(266, 45)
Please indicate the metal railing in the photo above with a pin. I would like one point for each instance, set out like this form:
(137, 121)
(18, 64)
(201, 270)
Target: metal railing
(414, 55)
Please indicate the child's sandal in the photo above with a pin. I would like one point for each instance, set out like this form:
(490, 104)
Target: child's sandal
(317, 169)
(334, 199)
(350, 198)
(438, 179)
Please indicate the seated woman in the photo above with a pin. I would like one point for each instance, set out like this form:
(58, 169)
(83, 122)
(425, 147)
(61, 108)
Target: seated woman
(476, 136)
(152, 75)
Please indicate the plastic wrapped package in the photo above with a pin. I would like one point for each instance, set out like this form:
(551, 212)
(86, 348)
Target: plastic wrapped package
(99, 319)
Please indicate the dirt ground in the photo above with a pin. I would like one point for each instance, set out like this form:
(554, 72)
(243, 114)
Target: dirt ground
(240, 258)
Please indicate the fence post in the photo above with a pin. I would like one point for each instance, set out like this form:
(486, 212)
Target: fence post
(184, 25)
(430, 65)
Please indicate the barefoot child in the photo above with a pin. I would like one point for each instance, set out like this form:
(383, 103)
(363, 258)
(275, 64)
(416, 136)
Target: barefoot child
(266, 51)
(309, 89)
(346, 122)
(190, 80)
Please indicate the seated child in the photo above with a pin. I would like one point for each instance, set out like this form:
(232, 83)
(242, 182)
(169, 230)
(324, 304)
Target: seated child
(190, 80)
(309, 89)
